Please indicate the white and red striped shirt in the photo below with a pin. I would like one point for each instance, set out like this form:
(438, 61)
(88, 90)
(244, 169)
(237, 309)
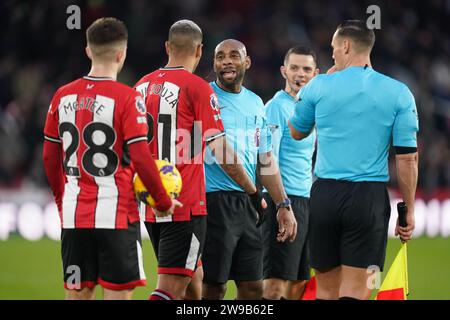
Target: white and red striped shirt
(94, 119)
(183, 114)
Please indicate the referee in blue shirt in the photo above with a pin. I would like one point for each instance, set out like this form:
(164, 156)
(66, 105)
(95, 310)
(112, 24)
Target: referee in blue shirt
(286, 265)
(233, 247)
(357, 111)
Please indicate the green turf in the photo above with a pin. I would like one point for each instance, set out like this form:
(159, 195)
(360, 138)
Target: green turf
(32, 270)
(428, 267)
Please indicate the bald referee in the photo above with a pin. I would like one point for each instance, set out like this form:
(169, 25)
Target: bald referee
(357, 111)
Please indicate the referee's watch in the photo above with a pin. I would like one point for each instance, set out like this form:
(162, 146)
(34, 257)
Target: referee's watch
(286, 203)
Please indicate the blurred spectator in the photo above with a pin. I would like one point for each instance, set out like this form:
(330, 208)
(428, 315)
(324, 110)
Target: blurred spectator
(38, 54)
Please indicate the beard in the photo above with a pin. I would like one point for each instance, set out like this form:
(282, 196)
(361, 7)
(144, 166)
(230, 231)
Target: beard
(231, 83)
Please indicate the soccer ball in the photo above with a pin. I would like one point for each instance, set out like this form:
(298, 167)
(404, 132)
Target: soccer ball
(171, 180)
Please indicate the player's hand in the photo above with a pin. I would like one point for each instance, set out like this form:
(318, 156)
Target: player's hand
(332, 70)
(175, 204)
(259, 204)
(287, 225)
(405, 233)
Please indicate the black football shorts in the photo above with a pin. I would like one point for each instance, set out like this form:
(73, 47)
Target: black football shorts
(178, 245)
(233, 247)
(348, 223)
(109, 257)
(286, 260)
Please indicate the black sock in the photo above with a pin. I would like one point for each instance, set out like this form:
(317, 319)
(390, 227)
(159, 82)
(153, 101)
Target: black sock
(347, 298)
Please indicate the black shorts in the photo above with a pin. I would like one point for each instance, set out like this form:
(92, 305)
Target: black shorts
(178, 245)
(286, 260)
(233, 247)
(348, 223)
(109, 257)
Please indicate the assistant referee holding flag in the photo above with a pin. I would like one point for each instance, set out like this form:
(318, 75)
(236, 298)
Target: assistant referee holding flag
(356, 111)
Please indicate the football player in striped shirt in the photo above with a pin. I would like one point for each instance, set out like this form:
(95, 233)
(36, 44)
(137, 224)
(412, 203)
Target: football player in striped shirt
(94, 125)
(184, 113)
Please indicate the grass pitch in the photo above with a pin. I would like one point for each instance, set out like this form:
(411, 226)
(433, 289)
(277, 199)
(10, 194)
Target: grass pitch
(33, 270)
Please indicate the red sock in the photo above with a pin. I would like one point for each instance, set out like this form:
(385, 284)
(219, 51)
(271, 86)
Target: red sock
(159, 294)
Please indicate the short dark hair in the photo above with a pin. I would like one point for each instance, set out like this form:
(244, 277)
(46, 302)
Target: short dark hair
(358, 31)
(306, 51)
(185, 35)
(106, 31)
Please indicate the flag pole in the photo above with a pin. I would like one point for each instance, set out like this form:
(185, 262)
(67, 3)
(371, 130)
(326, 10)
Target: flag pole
(402, 210)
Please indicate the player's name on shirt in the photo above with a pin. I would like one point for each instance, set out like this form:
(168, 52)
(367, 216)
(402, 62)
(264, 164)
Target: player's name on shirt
(83, 103)
(182, 116)
(94, 122)
(165, 93)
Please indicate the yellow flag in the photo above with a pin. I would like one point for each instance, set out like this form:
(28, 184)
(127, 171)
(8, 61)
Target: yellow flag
(395, 285)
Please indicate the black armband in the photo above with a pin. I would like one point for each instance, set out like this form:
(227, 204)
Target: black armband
(405, 150)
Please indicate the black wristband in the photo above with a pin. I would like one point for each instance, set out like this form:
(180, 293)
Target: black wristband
(255, 199)
(405, 150)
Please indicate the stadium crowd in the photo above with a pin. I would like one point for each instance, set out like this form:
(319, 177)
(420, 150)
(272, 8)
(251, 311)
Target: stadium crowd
(38, 54)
